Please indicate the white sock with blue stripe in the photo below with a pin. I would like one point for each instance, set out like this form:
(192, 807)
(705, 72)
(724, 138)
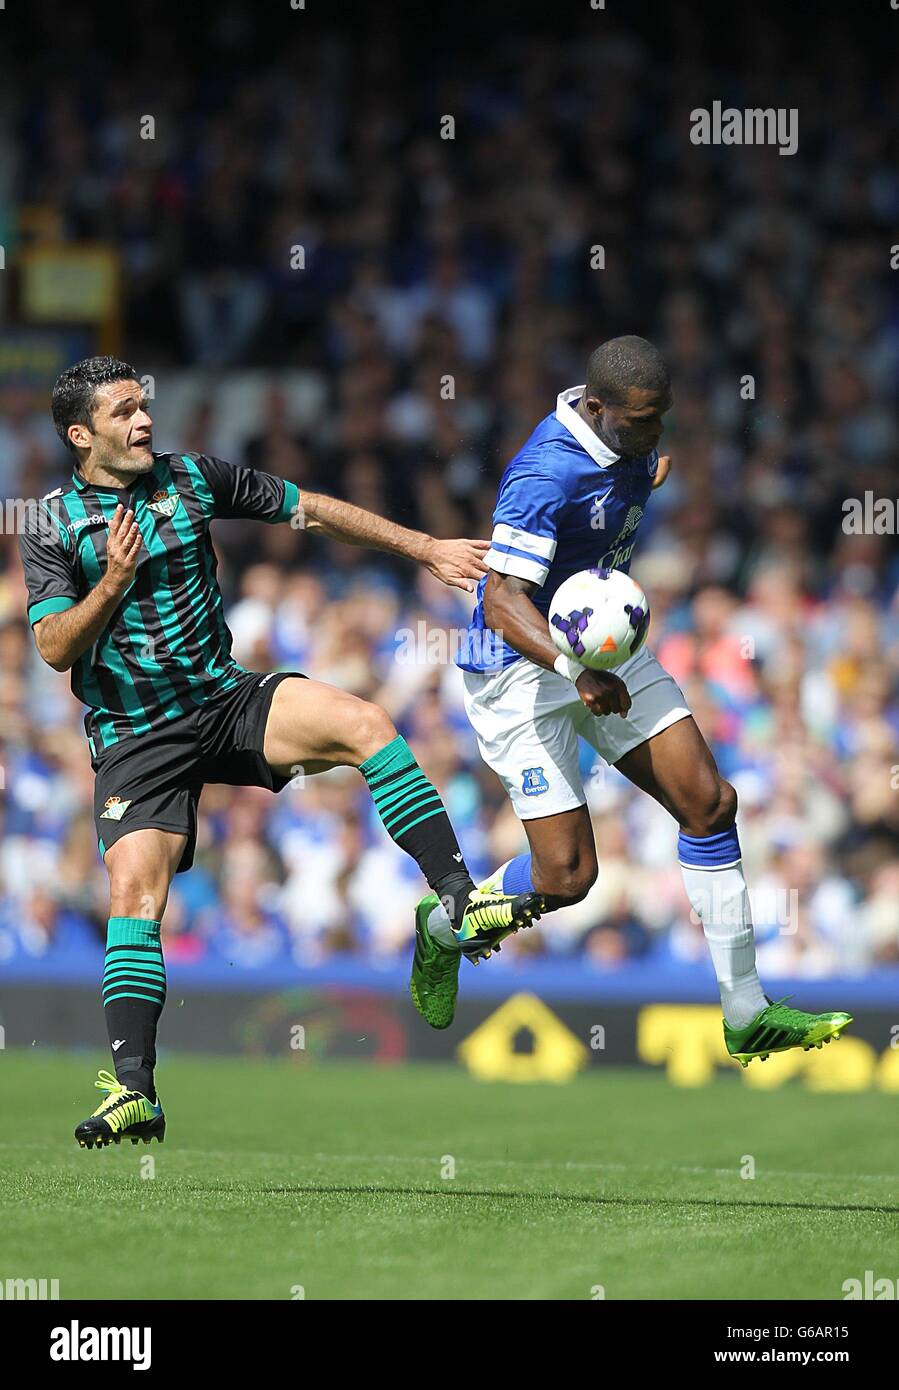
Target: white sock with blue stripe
(713, 877)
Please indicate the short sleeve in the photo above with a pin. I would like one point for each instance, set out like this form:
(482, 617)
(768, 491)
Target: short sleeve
(47, 559)
(524, 523)
(246, 492)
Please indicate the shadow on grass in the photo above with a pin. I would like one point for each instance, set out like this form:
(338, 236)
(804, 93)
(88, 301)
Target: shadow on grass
(363, 1190)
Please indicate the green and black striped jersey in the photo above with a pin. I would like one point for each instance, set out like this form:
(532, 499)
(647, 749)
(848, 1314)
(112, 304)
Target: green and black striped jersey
(167, 647)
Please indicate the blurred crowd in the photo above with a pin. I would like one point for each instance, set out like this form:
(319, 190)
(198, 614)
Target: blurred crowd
(449, 289)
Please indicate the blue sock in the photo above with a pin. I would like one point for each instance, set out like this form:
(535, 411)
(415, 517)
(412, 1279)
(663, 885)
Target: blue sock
(517, 875)
(709, 851)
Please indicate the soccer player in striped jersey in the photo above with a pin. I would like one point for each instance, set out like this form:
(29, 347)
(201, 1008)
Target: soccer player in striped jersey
(122, 591)
(573, 498)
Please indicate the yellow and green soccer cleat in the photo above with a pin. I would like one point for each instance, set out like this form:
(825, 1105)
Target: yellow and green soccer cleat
(122, 1115)
(487, 920)
(779, 1028)
(490, 916)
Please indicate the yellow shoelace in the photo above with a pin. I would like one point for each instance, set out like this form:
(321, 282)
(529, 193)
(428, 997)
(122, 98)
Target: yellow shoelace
(107, 1082)
(131, 1112)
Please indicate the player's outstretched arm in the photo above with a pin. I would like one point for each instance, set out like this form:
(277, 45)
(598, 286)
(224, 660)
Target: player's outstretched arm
(508, 610)
(458, 563)
(63, 637)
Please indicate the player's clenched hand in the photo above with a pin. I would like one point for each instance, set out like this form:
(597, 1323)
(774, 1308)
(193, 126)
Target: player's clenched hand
(122, 548)
(457, 563)
(603, 692)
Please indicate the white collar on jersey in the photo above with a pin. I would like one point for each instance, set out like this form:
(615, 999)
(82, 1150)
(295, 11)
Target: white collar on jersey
(582, 432)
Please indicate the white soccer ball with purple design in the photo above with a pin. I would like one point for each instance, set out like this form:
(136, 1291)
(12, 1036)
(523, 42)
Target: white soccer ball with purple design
(599, 618)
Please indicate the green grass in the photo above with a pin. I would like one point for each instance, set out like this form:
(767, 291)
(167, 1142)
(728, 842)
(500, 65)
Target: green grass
(329, 1176)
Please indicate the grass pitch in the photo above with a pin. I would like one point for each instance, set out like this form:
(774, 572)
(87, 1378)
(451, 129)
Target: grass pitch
(335, 1179)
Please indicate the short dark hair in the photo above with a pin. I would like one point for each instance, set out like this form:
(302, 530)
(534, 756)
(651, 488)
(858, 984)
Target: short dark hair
(73, 397)
(622, 363)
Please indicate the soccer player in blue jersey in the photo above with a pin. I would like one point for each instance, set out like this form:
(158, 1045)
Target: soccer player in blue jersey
(571, 499)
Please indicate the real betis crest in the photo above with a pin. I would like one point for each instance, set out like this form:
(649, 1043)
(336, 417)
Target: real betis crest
(115, 808)
(163, 503)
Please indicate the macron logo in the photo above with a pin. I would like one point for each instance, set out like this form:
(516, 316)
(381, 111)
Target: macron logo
(77, 1343)
(95, 519)
(119, 1042)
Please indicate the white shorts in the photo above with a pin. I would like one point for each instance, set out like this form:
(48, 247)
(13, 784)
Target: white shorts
(527, 721)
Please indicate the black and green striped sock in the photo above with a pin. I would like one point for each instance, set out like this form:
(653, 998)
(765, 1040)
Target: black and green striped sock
(133, 996)
(415, 819)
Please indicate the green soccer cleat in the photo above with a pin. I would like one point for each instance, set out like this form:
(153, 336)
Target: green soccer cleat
(778, 1028)
(122, 1115)
(435, 970)
(487, 920)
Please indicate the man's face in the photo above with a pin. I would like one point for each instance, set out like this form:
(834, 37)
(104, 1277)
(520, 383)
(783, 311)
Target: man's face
(122, 435)
(633, 426)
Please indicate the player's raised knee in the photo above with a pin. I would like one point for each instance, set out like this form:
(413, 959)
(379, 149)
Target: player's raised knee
(371, 728)
(569, 881)
(132, 895)
(727, 805)
(714, 807)
(576, 883)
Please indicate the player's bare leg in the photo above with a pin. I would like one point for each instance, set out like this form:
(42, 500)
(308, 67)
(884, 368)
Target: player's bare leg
(561, 863)
(313, 726)
(677, 769)
(141, 866)
(563, 856)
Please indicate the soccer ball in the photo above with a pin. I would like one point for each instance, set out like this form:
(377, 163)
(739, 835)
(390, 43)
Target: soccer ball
(599, 618)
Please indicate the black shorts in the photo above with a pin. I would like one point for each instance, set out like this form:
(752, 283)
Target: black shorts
(159, 775)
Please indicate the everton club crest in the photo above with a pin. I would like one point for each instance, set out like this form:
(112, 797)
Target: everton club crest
(533, 781)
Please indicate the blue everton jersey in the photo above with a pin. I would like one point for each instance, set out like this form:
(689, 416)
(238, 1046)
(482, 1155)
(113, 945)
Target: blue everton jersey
(566, 503)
